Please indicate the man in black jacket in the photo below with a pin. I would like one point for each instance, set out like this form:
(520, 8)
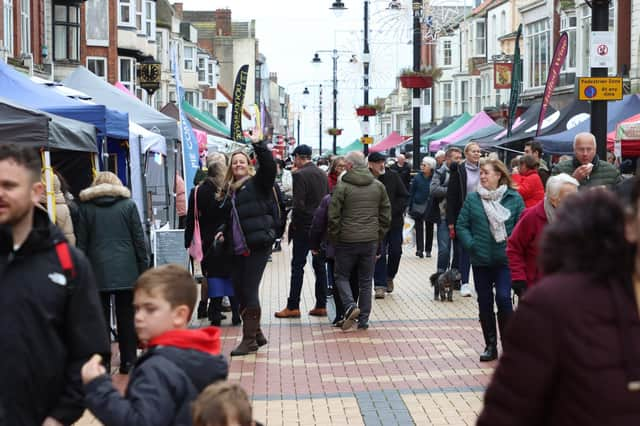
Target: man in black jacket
(391, 250)
(310, 185)
(403, 168)
(49, 304)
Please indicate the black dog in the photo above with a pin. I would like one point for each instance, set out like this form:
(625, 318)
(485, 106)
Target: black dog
(443, 284)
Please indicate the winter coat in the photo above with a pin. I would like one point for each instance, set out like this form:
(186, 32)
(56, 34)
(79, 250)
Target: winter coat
(213, 214)
(398, 196)
(318, 231)
(570, 351)
(438, 191)
(255, 203)
(472, 229)
(111, 235)
(530, 187)
(359, 211)
(603, 173)
(522, 245)
(310, 184)
(404, 172)
(52, 326)
(420, 193)
(456, 191)
(164, 382)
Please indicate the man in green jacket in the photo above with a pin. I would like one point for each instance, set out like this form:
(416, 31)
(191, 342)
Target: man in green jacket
(359, 218)
(586, 167)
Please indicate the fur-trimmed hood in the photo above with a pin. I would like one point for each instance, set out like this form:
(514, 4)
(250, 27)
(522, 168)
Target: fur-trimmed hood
(105, 190)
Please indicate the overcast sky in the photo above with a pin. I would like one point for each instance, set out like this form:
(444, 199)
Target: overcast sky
(291, 31)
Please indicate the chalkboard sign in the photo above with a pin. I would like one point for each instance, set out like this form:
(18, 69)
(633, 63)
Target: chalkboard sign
(168, 247)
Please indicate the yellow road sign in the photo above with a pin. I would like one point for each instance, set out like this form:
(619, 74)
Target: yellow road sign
(366, 140)
(600, 88)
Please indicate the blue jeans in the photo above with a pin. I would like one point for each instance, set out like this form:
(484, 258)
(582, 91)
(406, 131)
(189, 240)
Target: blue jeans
(485, 279)
(444, 246)
(298, 260)
(389, 263)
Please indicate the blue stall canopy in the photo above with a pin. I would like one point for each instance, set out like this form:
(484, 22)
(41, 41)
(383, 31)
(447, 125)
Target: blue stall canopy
(18, 88)
(562, 143)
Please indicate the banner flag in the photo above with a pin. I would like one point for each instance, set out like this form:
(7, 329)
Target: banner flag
(559, 55)
(190, 154)
(516, 81)
(239, 90)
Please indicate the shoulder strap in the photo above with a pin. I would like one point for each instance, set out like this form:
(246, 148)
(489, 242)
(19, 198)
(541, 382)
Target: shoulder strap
(64, 257)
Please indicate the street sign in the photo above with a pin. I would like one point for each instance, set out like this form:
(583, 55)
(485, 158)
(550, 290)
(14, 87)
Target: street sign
(367, 140)
(600, 88)
(602, 49)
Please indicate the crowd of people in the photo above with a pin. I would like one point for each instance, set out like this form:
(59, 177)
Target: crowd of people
(558, 236)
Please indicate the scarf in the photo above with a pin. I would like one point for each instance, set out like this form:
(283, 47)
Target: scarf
(496, 212)
(473, 176)
(549, 210)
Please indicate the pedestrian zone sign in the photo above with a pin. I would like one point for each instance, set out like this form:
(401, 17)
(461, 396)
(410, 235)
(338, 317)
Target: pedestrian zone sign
(366, 140)
(600, 88)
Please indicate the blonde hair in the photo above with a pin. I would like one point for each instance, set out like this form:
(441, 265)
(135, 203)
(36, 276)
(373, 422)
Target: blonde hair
(221, 404)
(499, 167)
(468, 146)
(108, 178)
(217, 157)
(229, 178)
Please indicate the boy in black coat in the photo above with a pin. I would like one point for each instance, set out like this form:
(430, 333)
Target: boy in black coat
(179, 362)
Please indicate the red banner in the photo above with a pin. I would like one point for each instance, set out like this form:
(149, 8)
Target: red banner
(559, 56)
(502, 75)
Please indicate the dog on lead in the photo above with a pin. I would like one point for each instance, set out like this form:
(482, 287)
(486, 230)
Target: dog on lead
(443, 284)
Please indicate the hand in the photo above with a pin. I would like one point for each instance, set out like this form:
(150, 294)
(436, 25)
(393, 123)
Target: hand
(254, 135)
(50, 421)
(582, 172)
(220, 237)
(92, 369)
(315, 252)
(452, 232)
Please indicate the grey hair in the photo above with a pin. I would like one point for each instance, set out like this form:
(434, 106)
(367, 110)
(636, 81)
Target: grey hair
(555, 184)
(356, 158)
(429, 162)
(440, 153)
(584, 134)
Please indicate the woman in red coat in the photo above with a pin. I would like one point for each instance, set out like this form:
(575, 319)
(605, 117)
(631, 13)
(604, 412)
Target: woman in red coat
(572, 348)
(528, 181)
(522, 246)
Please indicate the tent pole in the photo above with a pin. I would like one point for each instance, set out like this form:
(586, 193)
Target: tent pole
(145, 204)
(48, 176)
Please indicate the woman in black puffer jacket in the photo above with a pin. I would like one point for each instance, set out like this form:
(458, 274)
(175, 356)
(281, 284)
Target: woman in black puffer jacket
(251, 232)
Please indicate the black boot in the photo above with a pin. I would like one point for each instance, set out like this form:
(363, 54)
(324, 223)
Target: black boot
(488, 323)
(503, 320)
(215, 311)
(202, 309)
(260, 339)
(250, 319)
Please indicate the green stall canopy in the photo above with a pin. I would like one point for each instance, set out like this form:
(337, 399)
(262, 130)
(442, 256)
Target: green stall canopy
(459, 122)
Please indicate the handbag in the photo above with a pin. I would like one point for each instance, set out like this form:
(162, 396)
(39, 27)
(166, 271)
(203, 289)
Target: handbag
(195, 248)
(418, 209)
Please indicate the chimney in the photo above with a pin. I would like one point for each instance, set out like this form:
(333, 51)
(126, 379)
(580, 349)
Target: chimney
(223, 22)
(178, 9)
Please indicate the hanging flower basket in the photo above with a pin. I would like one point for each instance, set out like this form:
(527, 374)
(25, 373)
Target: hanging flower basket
(366, 110)
(334, 132)
(416, 82)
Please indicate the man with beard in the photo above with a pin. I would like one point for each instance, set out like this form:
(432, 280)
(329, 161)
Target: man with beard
(49, 305)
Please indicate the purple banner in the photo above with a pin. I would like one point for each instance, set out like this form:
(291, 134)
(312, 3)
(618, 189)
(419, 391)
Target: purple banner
(559, 56)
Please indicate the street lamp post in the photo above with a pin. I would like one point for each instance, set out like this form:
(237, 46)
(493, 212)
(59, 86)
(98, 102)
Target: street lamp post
(417, 51)
(599, 22)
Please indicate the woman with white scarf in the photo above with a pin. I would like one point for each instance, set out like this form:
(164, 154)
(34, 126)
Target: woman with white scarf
(485, 222)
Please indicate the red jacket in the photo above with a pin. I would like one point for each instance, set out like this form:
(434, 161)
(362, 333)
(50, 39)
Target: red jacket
(522, 246)
(530, 187)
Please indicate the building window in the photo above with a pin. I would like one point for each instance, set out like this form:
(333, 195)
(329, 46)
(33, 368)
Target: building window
(150, 18)
(447, 52)
(480, 38)
(139, 15)
(478, 106)
(503, 23)
(98, 66)
(25, 25)
(66, 35)
(568, 25)
(188, 58)
(446, 99)
(464, 97)
(222, 114)
(126, 67)
(172, 96)
(190, 97)
(202, 69)
(97, 23)
(537, 52)
(211, 73)
(126, 11)
(8, 26)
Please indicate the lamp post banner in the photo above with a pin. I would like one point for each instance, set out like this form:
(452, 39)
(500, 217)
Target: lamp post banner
(239, 90)
(190, 152)
(559, 56)
(516, 80)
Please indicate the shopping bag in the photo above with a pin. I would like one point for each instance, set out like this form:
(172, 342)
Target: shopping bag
(195, 248)
(407, 232)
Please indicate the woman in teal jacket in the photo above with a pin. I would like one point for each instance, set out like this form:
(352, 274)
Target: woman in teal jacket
(484, 224)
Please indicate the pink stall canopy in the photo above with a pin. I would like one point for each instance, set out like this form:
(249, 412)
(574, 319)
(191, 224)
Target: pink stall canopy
(394, 139)
(477, 122)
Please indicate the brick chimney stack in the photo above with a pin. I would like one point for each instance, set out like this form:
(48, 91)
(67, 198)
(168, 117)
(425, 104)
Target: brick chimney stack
(178, 9)
(223, 22)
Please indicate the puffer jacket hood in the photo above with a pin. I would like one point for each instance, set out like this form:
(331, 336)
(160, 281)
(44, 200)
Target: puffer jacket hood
(358, 176)
(104, 194)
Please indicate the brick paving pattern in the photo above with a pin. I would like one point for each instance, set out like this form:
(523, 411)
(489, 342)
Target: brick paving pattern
(416, 364)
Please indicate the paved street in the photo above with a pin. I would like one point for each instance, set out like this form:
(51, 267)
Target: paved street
(417, 363)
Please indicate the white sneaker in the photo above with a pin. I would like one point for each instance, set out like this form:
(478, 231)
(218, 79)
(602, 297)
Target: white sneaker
(465, 290)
